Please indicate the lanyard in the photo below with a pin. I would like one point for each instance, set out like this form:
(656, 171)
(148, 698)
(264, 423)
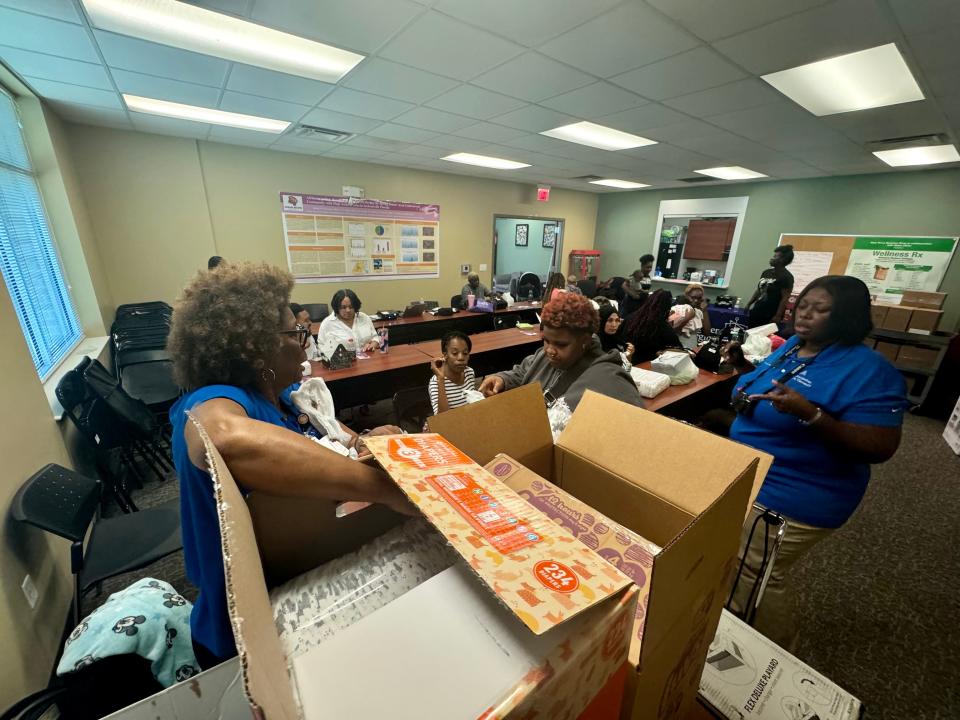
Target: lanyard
(796, 370)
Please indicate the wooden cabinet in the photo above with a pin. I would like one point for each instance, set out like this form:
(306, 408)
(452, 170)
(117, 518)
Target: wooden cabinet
(709, 239)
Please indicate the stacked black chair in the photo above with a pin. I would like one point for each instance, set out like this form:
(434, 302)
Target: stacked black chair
(317, 311)
(139, 337)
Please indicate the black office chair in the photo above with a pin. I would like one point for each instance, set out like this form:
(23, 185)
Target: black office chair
(456, 301)
(412, 408)
(65, 503)
(147, 375)
(317, 311)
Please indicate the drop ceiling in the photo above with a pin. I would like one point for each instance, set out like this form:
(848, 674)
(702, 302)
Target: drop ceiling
(487, 77)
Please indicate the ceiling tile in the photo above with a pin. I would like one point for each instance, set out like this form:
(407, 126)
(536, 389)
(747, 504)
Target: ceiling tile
(169, 126)
(275, 85)
(783, 126)
(937, 49)
(261, 107)
(292, 143)
(643, 118)
(680, 130)
(737, 95)
(838, 28)
(229, 7)
(490, 132)
(351, 153)
(917, 17)
(475, 102)
(455, 143)
(440, 44)
(673, 156)
(49, 67)
(51, 90)
(532, 77)
(359, 25)
(543, 144)
(620, 40)
(715, 19)
(42, 34)
(907, 119)
(402, 133)
(530, 22)
(422, 151)
(951, 106)
(534, 119)
(364, 104)
(88, 115)
(140, 56)
(594, 101)
(428, 119)
(689, 72)
(58, 9)
(338, 121)
(392, 80)
(371, 142)
(165, 89)
(239, 136)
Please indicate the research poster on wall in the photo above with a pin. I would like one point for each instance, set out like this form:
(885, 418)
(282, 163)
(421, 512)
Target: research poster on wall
(891, 265)
(330, 238)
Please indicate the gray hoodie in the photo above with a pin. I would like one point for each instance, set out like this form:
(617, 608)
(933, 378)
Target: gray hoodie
(597, 370)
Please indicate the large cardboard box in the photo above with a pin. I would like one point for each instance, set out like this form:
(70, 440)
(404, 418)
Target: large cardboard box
(531, 615)
(694, 512)
(746, 675)
(878, 314)
(922, 299)
(917, 357)
(924, 320)
(896, 318)
(888, 349)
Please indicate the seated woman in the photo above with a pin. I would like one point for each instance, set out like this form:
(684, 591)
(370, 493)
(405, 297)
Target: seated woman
(302, 316)
(571, 360)
(452, 374)
(689, 317)
(610, 336)
(826, 407)
(648, 329)
(237, 350)
(556, 281)
(347, 326)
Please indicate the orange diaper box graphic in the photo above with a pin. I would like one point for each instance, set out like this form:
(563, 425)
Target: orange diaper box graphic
(526, 605)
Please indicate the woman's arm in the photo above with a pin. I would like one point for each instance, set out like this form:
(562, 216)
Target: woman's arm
(859, 443)
(781, 308)
(706, 317)
(277, 461)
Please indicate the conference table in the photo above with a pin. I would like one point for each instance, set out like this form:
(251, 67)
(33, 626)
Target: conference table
(381, 375)
(433, 327)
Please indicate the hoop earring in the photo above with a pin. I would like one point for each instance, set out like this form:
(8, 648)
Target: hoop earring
(263, 375)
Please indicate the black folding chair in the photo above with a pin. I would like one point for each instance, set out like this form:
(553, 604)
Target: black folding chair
(412, 408)
(774, 528)
(65, 503)
(317, 311)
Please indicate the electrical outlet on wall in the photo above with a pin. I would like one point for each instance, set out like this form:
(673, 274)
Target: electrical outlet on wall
(30, 591)
(464, 268)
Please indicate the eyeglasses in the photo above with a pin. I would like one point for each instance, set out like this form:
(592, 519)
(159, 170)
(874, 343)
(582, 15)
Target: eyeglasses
(301, 333)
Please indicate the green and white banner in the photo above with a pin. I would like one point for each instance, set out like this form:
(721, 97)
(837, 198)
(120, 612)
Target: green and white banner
(891, 265)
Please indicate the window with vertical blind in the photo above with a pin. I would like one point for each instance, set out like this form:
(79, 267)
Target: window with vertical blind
(28, 258)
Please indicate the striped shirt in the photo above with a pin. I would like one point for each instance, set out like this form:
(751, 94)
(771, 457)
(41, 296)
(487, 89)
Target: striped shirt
(456, 394)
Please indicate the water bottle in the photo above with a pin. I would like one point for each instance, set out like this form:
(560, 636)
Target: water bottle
(384, 339)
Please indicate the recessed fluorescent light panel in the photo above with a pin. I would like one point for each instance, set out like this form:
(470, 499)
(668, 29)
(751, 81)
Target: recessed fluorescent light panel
(597, 136)
(928, 155)
(734, 172)
(621, 184)
(192, 28)
(204, 115)
(485, 161)
(867, 79)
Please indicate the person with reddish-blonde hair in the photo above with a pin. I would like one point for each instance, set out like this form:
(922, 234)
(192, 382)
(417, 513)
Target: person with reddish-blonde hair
(571, 360)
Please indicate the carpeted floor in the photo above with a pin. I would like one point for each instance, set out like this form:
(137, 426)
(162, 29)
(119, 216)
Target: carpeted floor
(879, 600)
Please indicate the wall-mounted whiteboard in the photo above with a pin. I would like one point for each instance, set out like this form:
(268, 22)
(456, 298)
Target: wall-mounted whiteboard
(329, 238)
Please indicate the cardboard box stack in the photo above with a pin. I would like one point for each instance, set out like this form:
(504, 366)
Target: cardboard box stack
(918, 312)
(675, 532)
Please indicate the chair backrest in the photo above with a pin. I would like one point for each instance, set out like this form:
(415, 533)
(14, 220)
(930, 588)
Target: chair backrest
(59, 501)
(456, 301)
(529, 287)
(135, 357)
(412, 408)
(108, 389)
(318, 311)
(502, 322)
(72, 390)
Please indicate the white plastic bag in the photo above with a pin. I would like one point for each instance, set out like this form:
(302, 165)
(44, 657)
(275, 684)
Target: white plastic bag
(677, 365)
(649, 383)
(757, 346)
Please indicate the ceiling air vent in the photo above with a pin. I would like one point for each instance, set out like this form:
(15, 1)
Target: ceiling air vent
(587, 178)
(312, 132)
(908, 141)
(696, 179)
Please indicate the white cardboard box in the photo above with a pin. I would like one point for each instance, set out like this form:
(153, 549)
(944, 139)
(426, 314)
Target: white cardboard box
(748, 676)
(951, 433)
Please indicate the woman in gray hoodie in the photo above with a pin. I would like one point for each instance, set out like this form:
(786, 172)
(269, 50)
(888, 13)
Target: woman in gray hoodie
(571, 359)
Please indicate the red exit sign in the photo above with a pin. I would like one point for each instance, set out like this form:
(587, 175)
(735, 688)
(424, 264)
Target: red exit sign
(543, 193)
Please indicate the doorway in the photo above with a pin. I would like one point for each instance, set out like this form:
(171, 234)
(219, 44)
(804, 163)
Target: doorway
(526, 244)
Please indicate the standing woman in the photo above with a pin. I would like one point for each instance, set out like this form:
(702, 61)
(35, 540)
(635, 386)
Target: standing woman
(773, 291)
(648, 328)
(348, 326)
(826, 407)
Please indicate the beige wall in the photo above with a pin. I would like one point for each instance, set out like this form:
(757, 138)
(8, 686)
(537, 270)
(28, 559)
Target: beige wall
(160, 206)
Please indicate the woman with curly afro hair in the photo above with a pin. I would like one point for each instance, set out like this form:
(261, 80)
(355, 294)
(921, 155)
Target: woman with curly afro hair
(237, 351)
(571, 360)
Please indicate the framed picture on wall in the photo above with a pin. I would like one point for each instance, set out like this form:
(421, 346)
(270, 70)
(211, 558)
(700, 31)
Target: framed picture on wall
(523, 233)
(549, 235)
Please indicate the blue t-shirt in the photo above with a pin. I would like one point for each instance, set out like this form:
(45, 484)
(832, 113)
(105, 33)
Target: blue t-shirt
(202, 554)
(808, 481)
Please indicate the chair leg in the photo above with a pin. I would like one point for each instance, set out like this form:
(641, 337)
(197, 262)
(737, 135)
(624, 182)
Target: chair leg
(148, 458)
(77, 601)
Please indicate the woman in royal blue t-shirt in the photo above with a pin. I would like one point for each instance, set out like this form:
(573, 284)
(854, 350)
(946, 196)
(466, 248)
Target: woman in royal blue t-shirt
(826, 407)
(237, 349)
